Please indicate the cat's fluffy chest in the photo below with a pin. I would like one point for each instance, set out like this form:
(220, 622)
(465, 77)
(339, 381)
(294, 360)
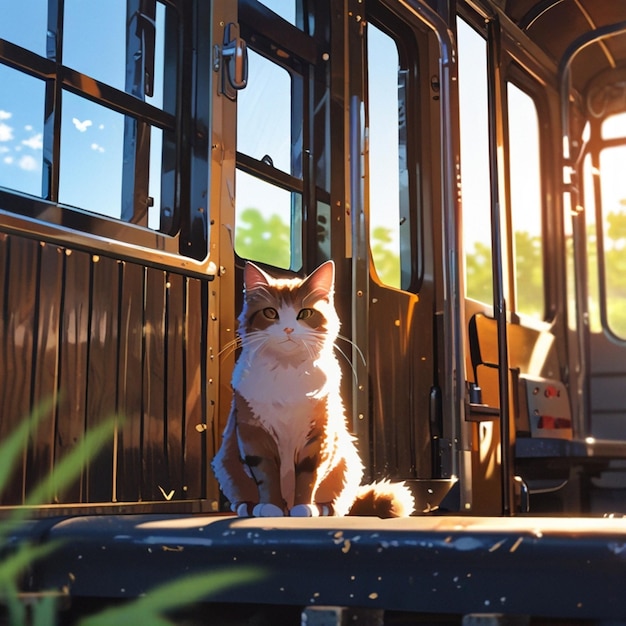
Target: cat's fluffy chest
(264, 383)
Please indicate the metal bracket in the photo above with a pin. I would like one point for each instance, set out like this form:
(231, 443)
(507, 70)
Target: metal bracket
(234, 64)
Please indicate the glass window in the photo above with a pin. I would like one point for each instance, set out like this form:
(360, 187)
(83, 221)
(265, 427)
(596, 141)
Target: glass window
(91, 26)
(286, 9)
(614, 126)
(264, 212)
(92, 156)
(475, 188)
(21, 131)
(384, 155)
(267, 97)
(95, 148)
(25, 24)
(268, 205)
(613, 195)
(524, 164)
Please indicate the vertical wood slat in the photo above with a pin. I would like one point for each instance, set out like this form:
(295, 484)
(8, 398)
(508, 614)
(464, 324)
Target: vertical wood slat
(129, 383)
(46, 363)
(102, 371)
(74, 342)
(195, 431)
(154, 458)
(18, 306)
(175, 375)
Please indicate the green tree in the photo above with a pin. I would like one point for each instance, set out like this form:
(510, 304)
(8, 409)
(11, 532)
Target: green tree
(264, 239)
(386, 258)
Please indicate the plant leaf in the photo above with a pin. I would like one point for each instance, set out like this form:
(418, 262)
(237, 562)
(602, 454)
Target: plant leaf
(15, 443)
(70, 466)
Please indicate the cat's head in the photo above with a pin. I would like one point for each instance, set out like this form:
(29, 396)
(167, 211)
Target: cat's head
(293, 319)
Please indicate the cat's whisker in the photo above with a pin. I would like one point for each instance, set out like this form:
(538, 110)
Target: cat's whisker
(231, 346)
(360, 353)
(349, 362)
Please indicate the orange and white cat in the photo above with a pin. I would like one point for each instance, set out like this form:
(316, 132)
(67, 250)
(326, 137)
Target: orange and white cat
(286, 448)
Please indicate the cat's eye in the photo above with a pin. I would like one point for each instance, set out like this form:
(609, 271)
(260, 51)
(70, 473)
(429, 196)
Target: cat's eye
(305, 314)
(270, 313)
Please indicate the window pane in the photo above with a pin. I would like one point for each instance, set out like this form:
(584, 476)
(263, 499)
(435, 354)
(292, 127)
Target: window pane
(613, 189)
(263, 225)
(21, 131)
(614, 126)
(475, 194)
(526, 201)
(264, 113)
(286, 9)
(92, 156)
(384, 155)
(94, 40)
(25, 23)
(154, 185)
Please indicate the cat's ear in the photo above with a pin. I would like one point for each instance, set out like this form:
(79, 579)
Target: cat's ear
(322, 280)
(254, 276)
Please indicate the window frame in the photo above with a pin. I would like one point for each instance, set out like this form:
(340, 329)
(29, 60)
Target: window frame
(184, 119)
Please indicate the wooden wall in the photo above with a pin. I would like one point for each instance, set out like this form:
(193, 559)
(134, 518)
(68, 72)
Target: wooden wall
(101, 336)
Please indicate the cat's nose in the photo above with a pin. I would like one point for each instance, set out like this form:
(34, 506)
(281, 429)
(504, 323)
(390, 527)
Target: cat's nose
(288, 330)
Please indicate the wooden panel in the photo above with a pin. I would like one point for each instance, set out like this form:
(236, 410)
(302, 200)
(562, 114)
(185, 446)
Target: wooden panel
(73, 362)
(401, 374)
(97, 336)
(175, 375)
(195, 401)
(18, 293)
(155, 477)
(46, 365)
(130, 383)
(102, 370)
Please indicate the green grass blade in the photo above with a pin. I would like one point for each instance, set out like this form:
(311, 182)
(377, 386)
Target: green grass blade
(69, 467)
(15, 444)
(13, 564)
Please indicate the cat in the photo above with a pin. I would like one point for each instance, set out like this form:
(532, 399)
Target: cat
(286, 448)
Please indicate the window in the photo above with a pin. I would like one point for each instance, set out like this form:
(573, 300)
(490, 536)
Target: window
(475, 189)
(524, 164)
(269, 177)
(612, 245)
(393, 97)
(91, 114)
(385, 96)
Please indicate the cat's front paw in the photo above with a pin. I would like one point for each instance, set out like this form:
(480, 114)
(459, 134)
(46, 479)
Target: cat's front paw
(251, 509)
(267, 510)
(311, 510)
(304, 510)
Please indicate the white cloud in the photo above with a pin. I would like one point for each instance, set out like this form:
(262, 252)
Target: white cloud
(5, 115)
(4, 150)
(101, 127)
(28, 127)
(81, 126)
(8, 160)
(35, 142)
(6, 132)
(27, 163)
(96, 147)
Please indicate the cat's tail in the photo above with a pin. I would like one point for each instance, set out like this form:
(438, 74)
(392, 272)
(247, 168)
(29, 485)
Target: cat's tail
(383, 499)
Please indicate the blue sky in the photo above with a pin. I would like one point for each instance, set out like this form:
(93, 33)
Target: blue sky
(91, 135)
